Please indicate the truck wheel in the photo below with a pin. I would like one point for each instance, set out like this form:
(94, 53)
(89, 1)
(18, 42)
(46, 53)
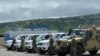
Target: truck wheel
(78, 51)
(29, 51)
(8, 49)
(13, 48)
(34, 51)
(41, 52)
(93, 52)
(21, 49)
(51, 51)
(61, 53)
(18, 49)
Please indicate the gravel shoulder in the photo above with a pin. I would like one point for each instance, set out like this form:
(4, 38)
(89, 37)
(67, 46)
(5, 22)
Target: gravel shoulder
(4, 52)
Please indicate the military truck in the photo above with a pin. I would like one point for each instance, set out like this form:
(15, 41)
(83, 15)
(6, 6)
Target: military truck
(90, 42)
(62, 45)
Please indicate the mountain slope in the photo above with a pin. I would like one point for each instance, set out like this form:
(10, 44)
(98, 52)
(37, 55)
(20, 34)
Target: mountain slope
(61, 24)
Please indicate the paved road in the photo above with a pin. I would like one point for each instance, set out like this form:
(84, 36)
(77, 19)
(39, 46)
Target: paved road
(4, 52)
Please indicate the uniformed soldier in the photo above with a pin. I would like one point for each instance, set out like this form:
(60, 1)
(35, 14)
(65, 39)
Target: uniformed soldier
(22, 43)
(69, 32)
(13, 47)
(73, 47)
(34, 44)
(51, 50)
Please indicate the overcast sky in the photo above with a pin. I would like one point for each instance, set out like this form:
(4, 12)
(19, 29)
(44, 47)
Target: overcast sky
(15, 10)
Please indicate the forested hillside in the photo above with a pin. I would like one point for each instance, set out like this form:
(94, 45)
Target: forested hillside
(61, 24)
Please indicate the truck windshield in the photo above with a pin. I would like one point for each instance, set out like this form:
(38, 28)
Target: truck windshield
(39, 38)
(19, 37)
(46, 37)
(79, 33)
(63, 35)
(34, 36)
(55, 37)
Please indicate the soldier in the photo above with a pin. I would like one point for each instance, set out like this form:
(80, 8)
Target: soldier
(22, 43)
(73, 47)
(51, 50)
(34, 44)
(69, 32)
(13, 47)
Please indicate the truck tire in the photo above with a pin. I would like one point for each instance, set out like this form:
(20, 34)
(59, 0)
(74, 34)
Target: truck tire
(18, 49)
(93, 52)
(21, 49)
(51, 51)
(78, 51)
(29, 51)
(61, 53)
(41, 51)
(8, 49)
(13, 48)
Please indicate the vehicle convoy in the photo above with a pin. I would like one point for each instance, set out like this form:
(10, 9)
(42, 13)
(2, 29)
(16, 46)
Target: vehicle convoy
(44, 45)
(29, 42)
(10, 44)
(20, 40)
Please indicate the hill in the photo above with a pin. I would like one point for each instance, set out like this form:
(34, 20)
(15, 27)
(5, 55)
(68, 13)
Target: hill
(61, 24)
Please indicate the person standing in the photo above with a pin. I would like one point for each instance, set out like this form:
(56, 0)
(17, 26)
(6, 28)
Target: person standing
(51, 41)
(22, 43)
(34, 44)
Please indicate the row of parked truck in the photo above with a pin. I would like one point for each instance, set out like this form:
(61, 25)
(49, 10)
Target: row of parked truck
(75, 42)
(25, 40)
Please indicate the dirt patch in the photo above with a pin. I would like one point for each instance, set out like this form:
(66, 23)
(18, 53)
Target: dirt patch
(1, 41)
